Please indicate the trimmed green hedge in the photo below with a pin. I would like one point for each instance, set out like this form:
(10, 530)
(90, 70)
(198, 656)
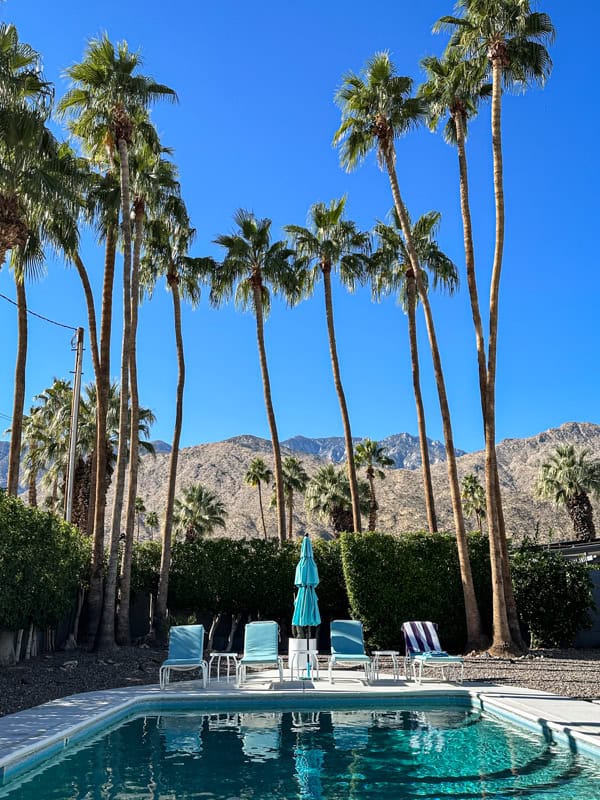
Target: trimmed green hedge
(553, 595)
(391, 580)
(43, 560)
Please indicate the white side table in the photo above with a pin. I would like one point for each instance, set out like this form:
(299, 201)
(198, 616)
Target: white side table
(299, 660)
(230, 658)
(391, 654)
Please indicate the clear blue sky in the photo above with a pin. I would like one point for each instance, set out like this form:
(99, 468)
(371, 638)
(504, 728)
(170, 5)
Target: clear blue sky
(253, 129)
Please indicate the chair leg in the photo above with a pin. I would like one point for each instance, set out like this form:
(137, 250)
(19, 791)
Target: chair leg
(204, 669)
(330, 671)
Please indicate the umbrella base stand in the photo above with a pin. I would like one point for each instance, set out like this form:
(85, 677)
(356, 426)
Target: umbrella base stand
(299, 655)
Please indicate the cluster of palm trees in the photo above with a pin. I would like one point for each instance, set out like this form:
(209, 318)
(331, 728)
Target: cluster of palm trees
(116, 176)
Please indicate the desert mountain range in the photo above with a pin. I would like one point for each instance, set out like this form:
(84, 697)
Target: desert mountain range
(221, 467)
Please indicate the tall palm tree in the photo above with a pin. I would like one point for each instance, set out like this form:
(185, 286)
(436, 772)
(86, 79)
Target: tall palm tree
(257, 474)
(391, 271)
(295, 481)
(567, 478)
(328, 496)
(372, 456)
(154, 183)
(512, 39)
(331, 243)
(108, 97)
(140, 510)
(377, 109)
(473, 495)
(198, 512)
(252, 264)
(152, 522)
(168, 239)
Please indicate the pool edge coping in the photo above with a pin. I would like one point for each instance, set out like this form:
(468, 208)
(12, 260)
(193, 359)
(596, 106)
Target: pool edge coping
(36, 746)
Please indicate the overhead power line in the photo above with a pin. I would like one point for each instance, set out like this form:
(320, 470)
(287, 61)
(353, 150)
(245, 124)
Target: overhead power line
(40, 316)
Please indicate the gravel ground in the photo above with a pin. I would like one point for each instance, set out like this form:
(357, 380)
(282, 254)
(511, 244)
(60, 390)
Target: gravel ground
(574, 673)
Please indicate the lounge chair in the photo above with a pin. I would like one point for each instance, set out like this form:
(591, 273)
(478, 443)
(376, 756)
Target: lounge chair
(261, 646)
(348, 646)
(186, 651)
(423, 649)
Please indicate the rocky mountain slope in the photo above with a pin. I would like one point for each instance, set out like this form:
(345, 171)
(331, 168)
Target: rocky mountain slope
(402, 447)
(4, 448)
(221, 466)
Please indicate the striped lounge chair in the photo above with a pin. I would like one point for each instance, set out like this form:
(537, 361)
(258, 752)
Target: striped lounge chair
(423, 650)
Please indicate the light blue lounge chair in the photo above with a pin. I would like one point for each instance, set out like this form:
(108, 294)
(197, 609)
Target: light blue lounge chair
(261, 646)
(423, 650)
(348, 646)
(186, 651)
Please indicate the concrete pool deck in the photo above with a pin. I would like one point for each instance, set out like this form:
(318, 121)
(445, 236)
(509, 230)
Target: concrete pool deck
(36, 733)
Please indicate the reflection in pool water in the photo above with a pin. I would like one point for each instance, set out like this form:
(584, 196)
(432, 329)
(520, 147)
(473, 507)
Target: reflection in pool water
(417, 753)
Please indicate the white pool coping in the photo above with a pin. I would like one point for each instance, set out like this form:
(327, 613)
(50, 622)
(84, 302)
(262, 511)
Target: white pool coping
(33, 735)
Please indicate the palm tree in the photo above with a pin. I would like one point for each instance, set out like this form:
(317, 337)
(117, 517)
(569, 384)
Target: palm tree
(372, 456)
(253, 263)
(198, 513)
(333, 243)
(151, 522)
(168, 239)
(108, 97)
(392, 271)
(35, 176)
(376, 109)
(257, 474)
(473, 496)
(512, 39)
(140, 510)
(46, 442)
(567, 478)
(328, 496)
(295, 481)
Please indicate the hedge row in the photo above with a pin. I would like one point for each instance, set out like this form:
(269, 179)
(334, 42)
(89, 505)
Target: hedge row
(43, 561)
(380, 579)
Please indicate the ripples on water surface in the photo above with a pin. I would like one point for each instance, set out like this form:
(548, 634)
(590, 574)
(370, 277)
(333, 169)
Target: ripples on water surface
(433, 753)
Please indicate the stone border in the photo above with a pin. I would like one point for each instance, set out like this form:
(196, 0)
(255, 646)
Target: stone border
(31, 736)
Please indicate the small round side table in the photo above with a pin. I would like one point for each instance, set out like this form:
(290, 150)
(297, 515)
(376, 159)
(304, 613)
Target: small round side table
(230, 658)
(393, 656)
(301, 659)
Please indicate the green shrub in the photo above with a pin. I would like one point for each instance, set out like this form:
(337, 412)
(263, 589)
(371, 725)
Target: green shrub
(43, 560)
(391, 580)
(553, 595)
(145, 566)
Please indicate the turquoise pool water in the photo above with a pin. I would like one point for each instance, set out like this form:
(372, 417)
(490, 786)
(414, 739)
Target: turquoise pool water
(427, 752)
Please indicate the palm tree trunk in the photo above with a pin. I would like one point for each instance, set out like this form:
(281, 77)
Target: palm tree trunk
(16, 431)
(262, 513)
(95, 592)
(337, 380)
(503, 642)
(482, 369)
(91, 311)
(123, 634)
(160, 621)
(279, 491)
(372, 502)
(290, 505)
(32, 491)
(582, 516)
(107, 630)
(414, 358)
(475, 637)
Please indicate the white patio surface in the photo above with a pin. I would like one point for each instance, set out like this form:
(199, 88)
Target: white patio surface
(51, 725)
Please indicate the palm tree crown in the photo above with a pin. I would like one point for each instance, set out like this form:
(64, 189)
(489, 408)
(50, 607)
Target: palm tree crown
(376, 109)
(198, 512)
(567, 478)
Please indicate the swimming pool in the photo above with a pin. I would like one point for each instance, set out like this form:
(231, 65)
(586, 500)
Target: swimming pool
(429, 751)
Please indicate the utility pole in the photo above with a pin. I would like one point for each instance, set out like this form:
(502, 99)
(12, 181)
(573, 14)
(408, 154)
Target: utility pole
(77, 343)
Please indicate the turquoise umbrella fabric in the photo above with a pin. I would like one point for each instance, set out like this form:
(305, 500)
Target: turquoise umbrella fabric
(306, 606)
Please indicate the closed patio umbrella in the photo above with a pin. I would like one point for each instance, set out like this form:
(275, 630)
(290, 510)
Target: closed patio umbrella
(306, 606)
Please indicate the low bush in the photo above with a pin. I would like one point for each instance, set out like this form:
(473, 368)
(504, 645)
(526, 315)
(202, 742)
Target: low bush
(553, 594)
